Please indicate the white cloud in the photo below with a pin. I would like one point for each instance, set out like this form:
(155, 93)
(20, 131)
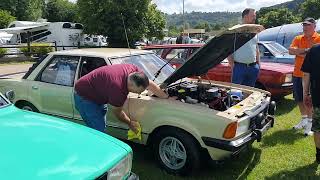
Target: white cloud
(175, 6)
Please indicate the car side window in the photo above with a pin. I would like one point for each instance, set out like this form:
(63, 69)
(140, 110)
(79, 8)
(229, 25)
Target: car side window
(89, 64)
(61, 70)
(263, 50)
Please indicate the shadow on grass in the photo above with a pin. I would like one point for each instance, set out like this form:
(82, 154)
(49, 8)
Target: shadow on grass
(285, 105)
(288, 136)
(305, 172)
(238, 167)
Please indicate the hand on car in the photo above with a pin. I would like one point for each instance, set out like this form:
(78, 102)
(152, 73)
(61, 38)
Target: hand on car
(134, 125)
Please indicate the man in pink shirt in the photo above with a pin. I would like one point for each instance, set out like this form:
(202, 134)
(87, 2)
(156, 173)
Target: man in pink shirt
(110, 85)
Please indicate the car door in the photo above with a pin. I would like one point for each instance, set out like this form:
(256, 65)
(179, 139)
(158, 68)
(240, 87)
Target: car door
(53, 87)
(87, 64)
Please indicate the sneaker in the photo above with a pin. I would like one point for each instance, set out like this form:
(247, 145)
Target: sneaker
(307, 128)
(301, 124)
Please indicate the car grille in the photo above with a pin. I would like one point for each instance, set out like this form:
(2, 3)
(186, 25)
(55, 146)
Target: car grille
(255, 122)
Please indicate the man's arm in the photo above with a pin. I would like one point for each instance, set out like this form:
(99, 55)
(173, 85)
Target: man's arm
(258, 55)
(231, 61)
(298, 51)
(156, 90)
(122, 116)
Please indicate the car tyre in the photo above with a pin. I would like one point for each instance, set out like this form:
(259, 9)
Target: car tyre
(176, 151)
(27, 106)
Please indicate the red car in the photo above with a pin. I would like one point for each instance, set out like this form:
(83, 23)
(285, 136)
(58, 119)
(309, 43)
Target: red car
(274, 77)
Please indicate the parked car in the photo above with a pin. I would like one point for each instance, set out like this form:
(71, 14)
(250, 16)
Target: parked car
(213, 118)
(271, 51)
(273, 77)
(37, 146)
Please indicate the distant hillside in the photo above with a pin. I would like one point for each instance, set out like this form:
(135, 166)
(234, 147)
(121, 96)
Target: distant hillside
(291, 5)
(194, 18)
(220, 18)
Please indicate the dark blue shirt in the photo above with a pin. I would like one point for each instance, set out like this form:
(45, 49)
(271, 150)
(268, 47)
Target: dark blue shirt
(312, 65)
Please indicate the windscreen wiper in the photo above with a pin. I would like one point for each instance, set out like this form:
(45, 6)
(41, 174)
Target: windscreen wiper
(159, 71)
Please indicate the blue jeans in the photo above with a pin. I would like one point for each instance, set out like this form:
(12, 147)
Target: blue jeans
(93, 114)
(245, 75)
(297, 89)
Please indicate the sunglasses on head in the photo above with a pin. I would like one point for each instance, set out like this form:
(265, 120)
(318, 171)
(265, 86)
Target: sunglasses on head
(305, 24)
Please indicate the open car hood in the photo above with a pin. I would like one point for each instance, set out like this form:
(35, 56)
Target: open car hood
(215, 51)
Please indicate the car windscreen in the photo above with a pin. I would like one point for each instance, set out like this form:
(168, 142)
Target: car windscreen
(3, 102)
(149, 63)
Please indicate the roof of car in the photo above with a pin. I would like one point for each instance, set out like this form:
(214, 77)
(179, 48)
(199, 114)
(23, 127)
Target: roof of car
(105, 52)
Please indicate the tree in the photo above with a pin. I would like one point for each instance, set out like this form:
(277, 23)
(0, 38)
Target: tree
(61, 10)
(310, 8)
(203, 25)
(5, 18)
(173, 31)
(24, 9)
(105, 18)
(277, 17)
(155, 22)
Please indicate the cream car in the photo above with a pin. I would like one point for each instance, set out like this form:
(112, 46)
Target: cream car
(213, 118)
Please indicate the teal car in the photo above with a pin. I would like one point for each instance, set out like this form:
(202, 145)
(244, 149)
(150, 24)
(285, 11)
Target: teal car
(37, 146)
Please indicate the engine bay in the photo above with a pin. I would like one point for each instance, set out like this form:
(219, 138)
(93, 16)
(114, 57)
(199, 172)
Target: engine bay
(213, 97)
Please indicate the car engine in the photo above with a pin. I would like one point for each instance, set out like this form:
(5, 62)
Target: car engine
(207, 95)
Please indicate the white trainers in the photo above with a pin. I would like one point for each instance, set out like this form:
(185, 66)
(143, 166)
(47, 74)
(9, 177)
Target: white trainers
(307, 128)
(302, 123)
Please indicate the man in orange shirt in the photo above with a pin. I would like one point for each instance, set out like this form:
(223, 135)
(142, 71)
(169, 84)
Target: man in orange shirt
(299, 47)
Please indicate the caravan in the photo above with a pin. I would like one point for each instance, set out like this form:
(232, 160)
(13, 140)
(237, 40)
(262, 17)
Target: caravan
(62, 33)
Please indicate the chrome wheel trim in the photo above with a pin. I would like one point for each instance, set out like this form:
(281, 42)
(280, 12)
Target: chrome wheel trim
(172, 153)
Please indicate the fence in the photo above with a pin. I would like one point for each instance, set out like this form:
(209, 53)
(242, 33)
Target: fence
(29, 47)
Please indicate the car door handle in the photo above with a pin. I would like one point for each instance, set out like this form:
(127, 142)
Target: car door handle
(34, 87)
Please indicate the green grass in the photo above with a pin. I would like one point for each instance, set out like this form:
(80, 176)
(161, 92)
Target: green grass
(282, 154)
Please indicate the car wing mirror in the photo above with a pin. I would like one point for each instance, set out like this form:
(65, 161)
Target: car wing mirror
(10, 95)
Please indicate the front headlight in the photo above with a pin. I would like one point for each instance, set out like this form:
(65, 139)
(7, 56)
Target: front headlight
(243, 127)
(121, 170)
(288, 78)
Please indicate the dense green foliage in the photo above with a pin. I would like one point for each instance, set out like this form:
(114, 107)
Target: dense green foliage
(203, 20)
(109, 17)
(24, 9)
(5, 18)
(155, 22)
(277, 17)
(3, 51)
(37, 48)
(60, 11)
(310, 8)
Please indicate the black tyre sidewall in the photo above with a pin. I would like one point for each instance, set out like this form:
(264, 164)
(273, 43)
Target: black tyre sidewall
(192, 148)
(24, 104)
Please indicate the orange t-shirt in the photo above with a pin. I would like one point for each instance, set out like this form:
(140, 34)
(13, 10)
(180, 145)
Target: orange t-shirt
(301, 42)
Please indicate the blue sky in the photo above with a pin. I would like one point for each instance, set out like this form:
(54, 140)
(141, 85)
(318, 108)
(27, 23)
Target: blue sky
(175, 6)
